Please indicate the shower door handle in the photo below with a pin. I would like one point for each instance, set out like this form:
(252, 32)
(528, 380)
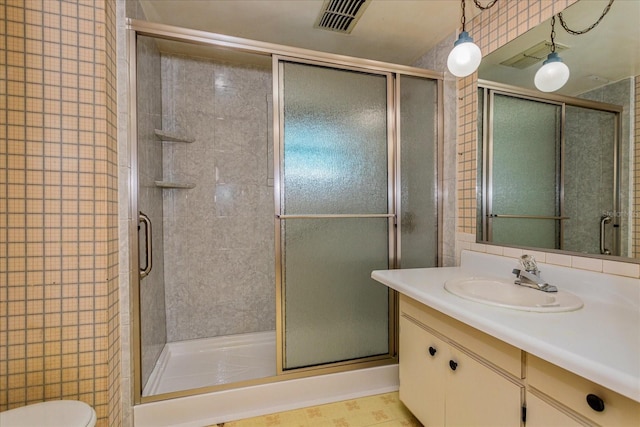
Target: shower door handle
(604, 220)
(148, 253)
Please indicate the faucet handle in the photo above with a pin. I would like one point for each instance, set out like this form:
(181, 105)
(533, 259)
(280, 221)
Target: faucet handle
(528, 263)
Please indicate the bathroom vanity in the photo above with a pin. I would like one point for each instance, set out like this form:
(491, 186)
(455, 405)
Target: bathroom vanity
(463, 362)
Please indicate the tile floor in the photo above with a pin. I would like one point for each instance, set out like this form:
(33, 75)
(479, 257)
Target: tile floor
(382, 410)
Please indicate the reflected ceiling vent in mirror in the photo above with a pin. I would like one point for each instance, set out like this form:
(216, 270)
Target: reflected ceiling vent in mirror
(341, 15)
(533, 55)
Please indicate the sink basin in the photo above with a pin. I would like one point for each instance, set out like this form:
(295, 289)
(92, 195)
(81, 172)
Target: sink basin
(504, 293)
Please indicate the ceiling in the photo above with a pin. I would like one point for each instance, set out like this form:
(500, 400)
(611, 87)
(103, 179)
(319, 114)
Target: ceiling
(608, 53)
(396, 31)
(401, 31)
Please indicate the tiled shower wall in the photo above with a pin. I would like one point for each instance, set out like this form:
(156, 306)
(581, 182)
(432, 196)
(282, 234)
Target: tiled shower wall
(590, 144)
(58, 215)
(219, 236)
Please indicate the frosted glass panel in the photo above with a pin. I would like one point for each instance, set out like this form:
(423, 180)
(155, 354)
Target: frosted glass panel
(526, 171)
(334, 161)
(335, 133)
(589, 164)
(334, 310)
(418, 139)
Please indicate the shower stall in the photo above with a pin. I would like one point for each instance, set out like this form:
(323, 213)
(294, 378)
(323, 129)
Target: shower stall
(268, 183)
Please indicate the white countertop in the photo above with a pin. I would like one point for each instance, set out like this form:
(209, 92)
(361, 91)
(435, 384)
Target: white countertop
(600, 342)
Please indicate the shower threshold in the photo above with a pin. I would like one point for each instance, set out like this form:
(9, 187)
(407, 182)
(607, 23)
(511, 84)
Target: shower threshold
(205, 362)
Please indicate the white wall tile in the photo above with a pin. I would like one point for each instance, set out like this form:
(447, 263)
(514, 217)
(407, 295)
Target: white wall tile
(558, 259)
(621, 268)
(592, 264)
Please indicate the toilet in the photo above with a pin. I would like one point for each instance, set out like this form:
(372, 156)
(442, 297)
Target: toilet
(55, 413)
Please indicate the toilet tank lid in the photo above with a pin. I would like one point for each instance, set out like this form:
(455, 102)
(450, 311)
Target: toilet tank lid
(55, 413)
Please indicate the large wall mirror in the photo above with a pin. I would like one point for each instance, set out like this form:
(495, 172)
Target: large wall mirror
(556, 171)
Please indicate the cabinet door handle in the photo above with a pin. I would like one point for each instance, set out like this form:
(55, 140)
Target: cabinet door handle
(432, 351)
(453, 365)
(596, 403)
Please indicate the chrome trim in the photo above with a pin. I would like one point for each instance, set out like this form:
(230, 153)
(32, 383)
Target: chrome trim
(134, 275)
(488, 170)
(548, 97)
(278, 152)
(527, 216)
(439, 190)
(393, 127)
(148, 239)
(397, 196)
(247, 45)
(560, 179)
(485, 164)
(604, 220)
(322, 216)
(393, 207)
(617, 228)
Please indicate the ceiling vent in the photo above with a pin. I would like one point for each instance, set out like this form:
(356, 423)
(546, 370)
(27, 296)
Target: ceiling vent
(533, 55)
(341, 15)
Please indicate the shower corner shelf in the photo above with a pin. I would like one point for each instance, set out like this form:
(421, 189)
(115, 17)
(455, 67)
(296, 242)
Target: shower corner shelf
(175, 185)
(172, 136)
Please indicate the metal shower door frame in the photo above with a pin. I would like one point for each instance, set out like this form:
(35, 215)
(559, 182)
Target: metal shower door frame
(391, 215)
(137, 28)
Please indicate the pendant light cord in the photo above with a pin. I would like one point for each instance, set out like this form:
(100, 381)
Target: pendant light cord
(488, 6)
(553, 34)
(586, 30)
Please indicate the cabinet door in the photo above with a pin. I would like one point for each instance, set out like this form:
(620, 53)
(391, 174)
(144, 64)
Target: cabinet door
(422, 375)
(541, 414)
(479, 396)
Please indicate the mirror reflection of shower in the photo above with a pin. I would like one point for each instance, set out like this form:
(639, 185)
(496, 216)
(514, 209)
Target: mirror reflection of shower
(551, 167)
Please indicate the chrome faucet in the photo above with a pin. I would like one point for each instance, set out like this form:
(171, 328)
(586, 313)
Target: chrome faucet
(529, 275)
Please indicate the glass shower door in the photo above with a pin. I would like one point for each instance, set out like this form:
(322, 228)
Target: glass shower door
(591, 146)
(524, 199)
(334, 214)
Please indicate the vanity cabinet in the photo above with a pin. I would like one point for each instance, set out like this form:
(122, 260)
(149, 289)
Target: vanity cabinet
(454, 375)
(580, 397)
(440, 376)
(542, 412)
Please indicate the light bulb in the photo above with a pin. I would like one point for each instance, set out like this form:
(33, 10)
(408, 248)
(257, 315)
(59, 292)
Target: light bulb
(465, 57)
(552, 75)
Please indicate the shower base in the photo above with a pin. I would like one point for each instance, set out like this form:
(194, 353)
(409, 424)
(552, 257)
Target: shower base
(205, 362)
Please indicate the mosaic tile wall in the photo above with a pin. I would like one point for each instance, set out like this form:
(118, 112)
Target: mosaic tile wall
(58, 216)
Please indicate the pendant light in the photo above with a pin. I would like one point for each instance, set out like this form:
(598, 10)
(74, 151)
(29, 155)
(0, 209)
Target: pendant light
(465, 57)
(554, 73)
